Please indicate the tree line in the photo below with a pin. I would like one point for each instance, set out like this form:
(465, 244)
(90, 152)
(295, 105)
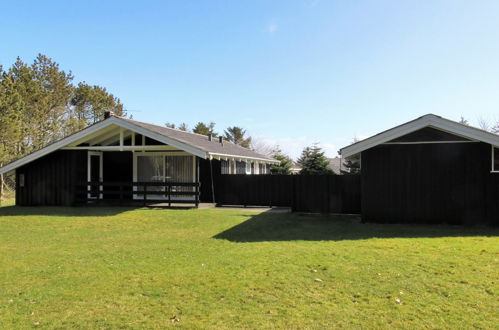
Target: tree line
(40, 104)
(234, 134)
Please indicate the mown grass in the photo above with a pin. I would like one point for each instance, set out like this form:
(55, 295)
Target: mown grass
(148, 268)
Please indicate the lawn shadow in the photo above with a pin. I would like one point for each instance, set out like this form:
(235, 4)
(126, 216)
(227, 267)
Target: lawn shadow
(87, 211)
(268, 226)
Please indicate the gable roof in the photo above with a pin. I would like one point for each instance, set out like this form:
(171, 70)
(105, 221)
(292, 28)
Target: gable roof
(201, 142)
(192, 143)
(430, 120)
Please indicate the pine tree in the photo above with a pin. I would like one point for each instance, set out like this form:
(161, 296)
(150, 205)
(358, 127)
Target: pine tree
(464, 121)
(236, 135)
(183, 127)
(203, 129)
(351, 167)
(285, 164)
(314, 162)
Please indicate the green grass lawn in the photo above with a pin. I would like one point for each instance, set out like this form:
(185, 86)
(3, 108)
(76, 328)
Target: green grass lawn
(149, 268)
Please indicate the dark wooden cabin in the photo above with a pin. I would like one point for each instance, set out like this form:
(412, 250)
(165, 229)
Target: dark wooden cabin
(430, 170)
(126, 162)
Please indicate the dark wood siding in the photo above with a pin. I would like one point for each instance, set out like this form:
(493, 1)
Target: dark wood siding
(429, 183)
(205, 176)
(51, 179)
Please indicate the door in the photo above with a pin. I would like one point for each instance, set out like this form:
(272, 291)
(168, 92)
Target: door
(94, 174)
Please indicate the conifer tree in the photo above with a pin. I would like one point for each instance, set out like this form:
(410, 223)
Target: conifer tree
(314, 162)
(237, 135)
(285, 164)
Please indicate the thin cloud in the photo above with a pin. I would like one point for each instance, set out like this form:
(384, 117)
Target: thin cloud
(272, 28)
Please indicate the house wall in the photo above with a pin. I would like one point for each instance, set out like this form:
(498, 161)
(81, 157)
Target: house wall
(205, 178)
(51, 180)
(429, 183)
(117, 166)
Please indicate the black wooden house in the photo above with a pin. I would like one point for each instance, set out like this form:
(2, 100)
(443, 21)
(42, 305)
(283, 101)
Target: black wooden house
(429, 170)
(119, 160)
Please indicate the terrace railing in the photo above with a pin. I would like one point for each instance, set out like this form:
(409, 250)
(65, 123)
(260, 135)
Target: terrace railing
(132, 193)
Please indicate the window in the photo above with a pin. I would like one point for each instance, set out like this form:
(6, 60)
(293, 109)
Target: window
(225, 164)
(495, 159)
(248, 168)
(262, 168)
(163, 167)
(21, 180)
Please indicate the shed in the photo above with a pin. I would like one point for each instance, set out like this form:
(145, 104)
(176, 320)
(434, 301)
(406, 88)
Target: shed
(429, 170)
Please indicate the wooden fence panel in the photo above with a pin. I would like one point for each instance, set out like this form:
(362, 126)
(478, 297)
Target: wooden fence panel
(318, 194)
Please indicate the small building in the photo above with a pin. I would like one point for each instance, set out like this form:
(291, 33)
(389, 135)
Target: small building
(336, 165)
(429, 170)
(128, 162)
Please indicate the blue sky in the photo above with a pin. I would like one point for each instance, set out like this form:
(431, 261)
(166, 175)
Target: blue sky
(291, 72)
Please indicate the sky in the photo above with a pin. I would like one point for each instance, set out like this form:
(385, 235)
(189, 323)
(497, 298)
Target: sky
(291, 72)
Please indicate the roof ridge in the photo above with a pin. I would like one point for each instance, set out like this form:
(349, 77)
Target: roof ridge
(181, 131)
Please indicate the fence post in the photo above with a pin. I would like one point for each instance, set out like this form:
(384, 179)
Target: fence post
(169, 190)
(1, 188)
(197, 194)
(121, 194)
(293, 193)
(145, 193)
(329, 194)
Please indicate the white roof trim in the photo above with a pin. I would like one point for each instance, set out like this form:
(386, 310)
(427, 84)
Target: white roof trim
(93, 129)
(158, 137)
(422, 122)
(218, 155)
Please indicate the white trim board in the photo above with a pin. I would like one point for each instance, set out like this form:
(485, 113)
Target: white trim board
(431, 142)
(417, 124)
(219, 156)
(94, 131)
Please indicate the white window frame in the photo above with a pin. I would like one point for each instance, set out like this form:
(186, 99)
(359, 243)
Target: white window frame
(234, 166)
(248, 168)
(492, 169)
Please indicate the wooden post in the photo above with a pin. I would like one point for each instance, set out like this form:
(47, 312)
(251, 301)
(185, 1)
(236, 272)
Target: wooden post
(169, 190)
(145, 193)
(212, 183)
(121, 194)
(1, 188)
(197, 182)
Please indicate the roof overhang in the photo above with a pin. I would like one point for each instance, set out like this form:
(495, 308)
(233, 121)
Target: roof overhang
(419, 123)
(227, 156)
(89, 131)
(105, 127)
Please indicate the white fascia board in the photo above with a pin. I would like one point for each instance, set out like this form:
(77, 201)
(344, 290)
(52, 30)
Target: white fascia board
(466, 131)
(89, 131)
(425, 121)
(219, 155)
(383, 137)
(161, 138)
(56, 145)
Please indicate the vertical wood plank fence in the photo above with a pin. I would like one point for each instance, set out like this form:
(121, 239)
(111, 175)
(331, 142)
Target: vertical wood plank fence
(316, 194)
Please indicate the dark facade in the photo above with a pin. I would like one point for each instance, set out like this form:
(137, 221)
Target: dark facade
(54, 179)
(429, 183)
(51, 180)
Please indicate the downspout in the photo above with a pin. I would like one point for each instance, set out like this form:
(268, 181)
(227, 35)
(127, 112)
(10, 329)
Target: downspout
(212, 184)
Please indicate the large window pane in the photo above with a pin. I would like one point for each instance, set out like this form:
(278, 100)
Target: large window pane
(150, 169)
(180, 169)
